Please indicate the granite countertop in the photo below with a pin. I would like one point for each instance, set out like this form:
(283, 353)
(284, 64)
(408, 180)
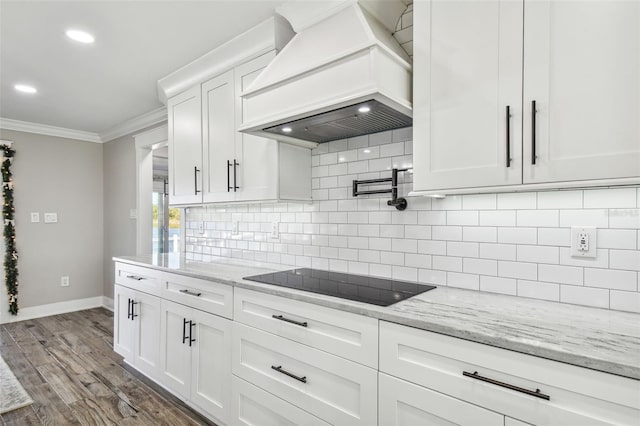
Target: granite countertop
(599, 339)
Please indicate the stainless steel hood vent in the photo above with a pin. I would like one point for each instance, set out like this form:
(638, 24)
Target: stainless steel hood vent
(354, 120)
(342, 57)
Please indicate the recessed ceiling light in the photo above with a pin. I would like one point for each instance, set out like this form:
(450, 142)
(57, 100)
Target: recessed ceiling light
(287, 129)
(25, 89)
(367, 151)
(81, 36)
(364, 108)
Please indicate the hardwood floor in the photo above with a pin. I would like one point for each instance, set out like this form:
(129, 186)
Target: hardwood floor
(67, 365)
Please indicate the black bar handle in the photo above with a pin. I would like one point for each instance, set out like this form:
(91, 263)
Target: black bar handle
(195, 179)
(190, 293)
(228, 177)
(281, 318)
(508, 127)
(184, 330)
(135, 277)
(286, 373)
(533, 132)
(133, 311)
(535, 393)
(128, 308)
(166, 187)
(235, 177)
(191, 339)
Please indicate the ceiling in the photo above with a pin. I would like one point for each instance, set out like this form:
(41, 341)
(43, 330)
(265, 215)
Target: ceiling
(95, 87)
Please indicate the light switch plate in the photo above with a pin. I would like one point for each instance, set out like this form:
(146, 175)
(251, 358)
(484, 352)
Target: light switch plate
(583, 241)
(35, 217)
(51, 218)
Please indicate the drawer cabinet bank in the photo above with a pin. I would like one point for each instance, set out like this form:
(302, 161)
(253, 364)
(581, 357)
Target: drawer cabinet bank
(244, 357)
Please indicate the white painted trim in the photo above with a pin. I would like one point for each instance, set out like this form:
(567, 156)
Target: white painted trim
(552, 186)
(6, 143)
(40, 311)
(152, 138)
(134, 124)
(44, 129)
(107, 303)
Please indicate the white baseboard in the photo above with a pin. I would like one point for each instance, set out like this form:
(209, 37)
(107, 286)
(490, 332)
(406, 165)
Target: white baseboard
(40, 311)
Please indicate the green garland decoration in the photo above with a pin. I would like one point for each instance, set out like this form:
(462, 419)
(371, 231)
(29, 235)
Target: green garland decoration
(8, 213)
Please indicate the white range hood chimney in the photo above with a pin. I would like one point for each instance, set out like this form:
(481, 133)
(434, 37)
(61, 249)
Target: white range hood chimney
(342, 75)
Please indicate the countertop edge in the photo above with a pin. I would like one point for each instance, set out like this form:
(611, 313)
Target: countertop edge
(579, 360)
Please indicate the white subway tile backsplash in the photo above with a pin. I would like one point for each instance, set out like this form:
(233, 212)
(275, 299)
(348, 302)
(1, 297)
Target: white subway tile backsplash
(512, 243)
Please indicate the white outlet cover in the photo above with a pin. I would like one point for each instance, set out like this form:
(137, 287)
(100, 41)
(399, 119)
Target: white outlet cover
(275, 231)
(35, 217)
(64, 281)
(591, 233)
(51, 218)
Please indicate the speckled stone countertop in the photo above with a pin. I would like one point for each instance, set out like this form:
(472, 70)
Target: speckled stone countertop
(599, 339)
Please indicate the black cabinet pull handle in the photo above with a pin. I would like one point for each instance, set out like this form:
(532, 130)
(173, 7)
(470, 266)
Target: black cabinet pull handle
(228, 177)
(235, 177)
(195, 179)
(191, 339)
(128, 308)
(535, 393)
(135, 277)
(281, 318)
(190, 293)
(508, 127)
(184, 330)
(286, 373)
(166, 187)
(133, 311)
(533, 132)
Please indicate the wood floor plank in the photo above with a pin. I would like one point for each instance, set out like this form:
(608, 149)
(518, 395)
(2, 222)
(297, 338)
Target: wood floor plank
(19, 417)
(64, 384)
(49, 407)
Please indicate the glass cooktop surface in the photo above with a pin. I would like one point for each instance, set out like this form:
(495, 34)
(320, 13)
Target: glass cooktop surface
(361, 288)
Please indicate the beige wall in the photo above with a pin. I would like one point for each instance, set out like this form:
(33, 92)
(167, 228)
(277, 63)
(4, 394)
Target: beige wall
(119, 197)
(60, 175)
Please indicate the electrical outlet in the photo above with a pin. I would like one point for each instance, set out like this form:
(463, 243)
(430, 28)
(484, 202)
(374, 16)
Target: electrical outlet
(236, 228)
(64, 281)
(35, 217)
(51, 218)
(275, 227)
(201, 228)
(583, 241)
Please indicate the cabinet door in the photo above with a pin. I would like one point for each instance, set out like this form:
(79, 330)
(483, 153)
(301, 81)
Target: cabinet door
(582, 67)
(211, 364)
(258, 169)
(405, 404)
(175, 352)
(218, 126)
(147, 338)
(185, 147)
(123, 326)
(468, 70)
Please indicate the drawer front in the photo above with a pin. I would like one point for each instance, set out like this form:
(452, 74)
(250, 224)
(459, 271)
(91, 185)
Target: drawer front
(204, 295)
(338, 391)
(404, 404)
(577, 395)
(252, 406)
(138, 278)
(348, 335)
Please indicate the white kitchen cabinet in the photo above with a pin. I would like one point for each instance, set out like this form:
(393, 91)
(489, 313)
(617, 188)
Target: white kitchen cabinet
(582, 68)
(578, 60)
(218, 164)
(468, 71)
(185, 147)
(137, 335)
(196, 357)
(404, 404)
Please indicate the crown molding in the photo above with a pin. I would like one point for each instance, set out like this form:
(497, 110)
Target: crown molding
(147, 119)
(44, 129)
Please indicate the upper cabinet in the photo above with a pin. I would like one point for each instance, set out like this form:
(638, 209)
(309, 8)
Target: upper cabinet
(209, 160)
(525, 94)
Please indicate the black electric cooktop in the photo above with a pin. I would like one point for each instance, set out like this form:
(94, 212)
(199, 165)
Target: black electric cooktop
(377, 291)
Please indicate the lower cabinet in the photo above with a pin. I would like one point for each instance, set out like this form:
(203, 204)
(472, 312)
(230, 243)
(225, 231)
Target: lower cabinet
(401, 403)
(195, 352)
(137, 333)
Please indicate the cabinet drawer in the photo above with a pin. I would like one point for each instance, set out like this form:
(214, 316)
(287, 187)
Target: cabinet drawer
(348, 335)
(138, 278)
(404, 404)
(252, 406)
(334, 389)
(207, 296)
(576, 395)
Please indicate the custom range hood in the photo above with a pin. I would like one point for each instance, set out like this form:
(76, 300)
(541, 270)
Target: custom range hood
(342, 75)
